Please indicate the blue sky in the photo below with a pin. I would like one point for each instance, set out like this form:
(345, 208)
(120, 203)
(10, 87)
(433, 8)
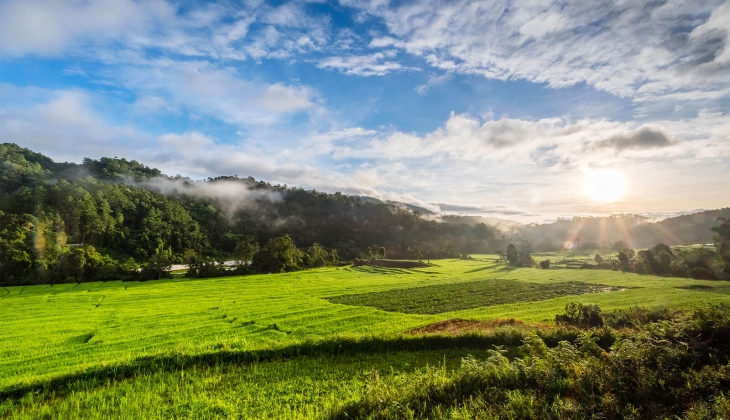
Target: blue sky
(503, 108)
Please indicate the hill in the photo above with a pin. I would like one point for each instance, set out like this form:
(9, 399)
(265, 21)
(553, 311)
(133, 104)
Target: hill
(635, 231)
(128, 216)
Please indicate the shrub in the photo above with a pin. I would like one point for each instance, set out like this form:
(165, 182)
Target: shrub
(636, 317)
(701, 273)
(580, 315)
(545, 264)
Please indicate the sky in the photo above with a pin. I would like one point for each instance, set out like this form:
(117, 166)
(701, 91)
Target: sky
(506, 109)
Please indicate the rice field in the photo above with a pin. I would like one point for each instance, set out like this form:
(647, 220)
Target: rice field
(455, 297)
(61, 332)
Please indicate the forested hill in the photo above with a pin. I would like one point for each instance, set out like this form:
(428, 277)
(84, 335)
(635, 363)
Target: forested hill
(634, 231)
(111, 218)
(104, 218)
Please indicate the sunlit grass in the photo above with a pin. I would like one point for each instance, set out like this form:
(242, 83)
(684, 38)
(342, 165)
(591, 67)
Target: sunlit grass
(47, 331)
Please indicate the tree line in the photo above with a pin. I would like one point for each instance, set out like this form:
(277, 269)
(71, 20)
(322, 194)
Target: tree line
(109, 219)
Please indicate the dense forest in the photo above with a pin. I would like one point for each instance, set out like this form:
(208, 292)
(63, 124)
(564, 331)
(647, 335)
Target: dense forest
(113, 218)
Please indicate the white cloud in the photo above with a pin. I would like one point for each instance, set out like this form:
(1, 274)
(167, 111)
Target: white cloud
(50, 27)
(64, 125)
(376, 64)
(643, 50)
(278, 97)
(215, 91)
(434, 80)
(552, 142)
(151, 104)
(218, 30)
(526, 168)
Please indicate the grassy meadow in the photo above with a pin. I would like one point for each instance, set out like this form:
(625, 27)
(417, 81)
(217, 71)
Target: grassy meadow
(239, 346)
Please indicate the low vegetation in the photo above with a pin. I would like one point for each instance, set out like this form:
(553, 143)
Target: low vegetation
(456, 297)
(676, 368)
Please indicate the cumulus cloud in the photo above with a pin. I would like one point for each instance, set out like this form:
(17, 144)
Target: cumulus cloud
(63, 123)
(643, 138)
(529, 166)
(551, 141)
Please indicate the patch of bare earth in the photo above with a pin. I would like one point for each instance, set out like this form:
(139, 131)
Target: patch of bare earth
(458, 325)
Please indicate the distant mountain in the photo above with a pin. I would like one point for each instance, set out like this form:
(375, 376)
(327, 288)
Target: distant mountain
(635, 230)
(504, 226)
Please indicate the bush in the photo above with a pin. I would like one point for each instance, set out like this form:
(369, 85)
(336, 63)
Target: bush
(545, 264)
(647, 372)
(580, 315)
(701, 273)
(636, 317)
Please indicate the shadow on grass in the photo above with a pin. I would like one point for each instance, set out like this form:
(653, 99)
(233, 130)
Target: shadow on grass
(479, 269)
(102, 375)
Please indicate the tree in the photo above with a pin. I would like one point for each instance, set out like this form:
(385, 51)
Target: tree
(512, 254)
(277, 256)
(160, 262)
(623, 259)
(16, 248)
(375, 251)
(598, 258)
(246, 248)
(414, 253)
(722, 239)
(317, 256)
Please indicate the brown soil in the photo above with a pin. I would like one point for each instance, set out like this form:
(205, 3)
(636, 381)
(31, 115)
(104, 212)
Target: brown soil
(457, 325)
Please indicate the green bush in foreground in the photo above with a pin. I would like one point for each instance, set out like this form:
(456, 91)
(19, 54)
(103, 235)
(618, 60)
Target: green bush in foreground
(658, 370)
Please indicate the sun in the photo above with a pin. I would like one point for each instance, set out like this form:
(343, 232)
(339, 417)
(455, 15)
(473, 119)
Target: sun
(604, 185)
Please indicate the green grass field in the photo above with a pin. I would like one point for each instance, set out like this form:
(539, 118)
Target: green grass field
(64, 332)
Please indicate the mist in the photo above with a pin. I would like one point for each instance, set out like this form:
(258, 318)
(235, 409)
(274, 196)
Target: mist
(231, 195)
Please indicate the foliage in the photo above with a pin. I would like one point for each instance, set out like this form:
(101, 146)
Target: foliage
(246, 248)
(316, 257)
(580, 315)
(637, 316)
(722, 238)
(279, 255)
(693, 262)
(521, 257)
(651, 372)
(118, 207)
